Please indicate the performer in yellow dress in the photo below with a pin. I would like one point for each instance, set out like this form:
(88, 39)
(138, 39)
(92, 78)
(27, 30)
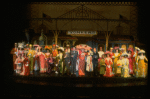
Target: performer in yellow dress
(135, 55)
(125, 65)
(142, 66)
(116, 55)
(30, 56)
(119, 66)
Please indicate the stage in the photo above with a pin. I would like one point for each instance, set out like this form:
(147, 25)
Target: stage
(44, 85)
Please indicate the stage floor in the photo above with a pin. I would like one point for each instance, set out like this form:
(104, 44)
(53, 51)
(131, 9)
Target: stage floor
(45, 85)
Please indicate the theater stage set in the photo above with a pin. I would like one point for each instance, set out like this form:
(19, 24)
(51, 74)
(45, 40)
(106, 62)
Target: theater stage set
(64, 27)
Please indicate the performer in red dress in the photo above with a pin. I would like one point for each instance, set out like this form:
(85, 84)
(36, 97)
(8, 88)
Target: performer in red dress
(81, 68)
(26, 66)
(108, 62)
(130, 57)
(111, 52)
(41, 60)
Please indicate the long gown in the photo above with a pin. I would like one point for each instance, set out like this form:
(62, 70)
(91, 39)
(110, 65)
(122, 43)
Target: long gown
(108, 72)
(47, 55)
(116, 55)
(142, 66)
(26, 67)
(82, 64)
(42, 62)
(100, 57)
(119, 66)
(60, 55)
(102, 66)
(125, 66)
(30, 55)
(130, 63)
(50, 64)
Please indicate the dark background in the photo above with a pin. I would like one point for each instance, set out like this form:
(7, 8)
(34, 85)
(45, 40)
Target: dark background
(16, 21)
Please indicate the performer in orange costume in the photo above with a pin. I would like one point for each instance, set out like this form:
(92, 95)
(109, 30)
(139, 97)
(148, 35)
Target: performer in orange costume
(108, 62)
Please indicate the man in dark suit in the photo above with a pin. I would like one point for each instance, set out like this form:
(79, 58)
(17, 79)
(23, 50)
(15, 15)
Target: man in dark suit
(95, 58)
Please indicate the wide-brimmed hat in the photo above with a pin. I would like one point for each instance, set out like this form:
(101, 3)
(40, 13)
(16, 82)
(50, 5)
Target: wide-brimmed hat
(125, 54)
(116, 48)
(141, 51)
(107, 52)
(111, 48)
(60, 49)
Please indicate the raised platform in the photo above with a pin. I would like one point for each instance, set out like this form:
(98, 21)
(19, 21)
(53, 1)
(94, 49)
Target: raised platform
(45, 85)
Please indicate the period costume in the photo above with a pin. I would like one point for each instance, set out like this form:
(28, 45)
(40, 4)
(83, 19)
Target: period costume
(81, 67)
(42, 62)
(135, 66)
(130, 57)
(116, 56)
(31, 59)
(142, 66)
(50, 64)
(54, 51)
(108, 62)
(89, 65)
(74, 54)
(102, 66)
(100, 57)
(125, 66)
(26, 71)
(95, 58)
(19, 63)
(67, 61)
(60, 59)
(119, 66)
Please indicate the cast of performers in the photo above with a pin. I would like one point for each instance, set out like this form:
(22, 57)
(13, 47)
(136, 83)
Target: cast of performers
(79, 61)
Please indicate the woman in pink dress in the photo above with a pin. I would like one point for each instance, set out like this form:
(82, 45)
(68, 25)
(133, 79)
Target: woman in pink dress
(42, 61)
(130, 57)
(81, 68)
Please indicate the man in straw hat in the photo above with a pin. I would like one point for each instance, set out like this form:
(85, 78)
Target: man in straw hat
(141, 64)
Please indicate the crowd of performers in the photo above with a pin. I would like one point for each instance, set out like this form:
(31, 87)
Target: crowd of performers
(79, 61)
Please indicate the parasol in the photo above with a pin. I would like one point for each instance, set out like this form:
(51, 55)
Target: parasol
(83, 46)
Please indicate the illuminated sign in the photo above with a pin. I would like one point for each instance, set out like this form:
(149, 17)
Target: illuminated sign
(81, 33)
